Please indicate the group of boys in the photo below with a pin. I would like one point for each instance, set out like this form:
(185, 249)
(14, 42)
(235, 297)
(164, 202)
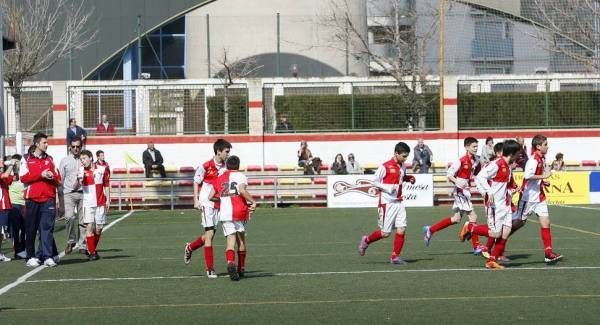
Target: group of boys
(494, 181)
(37, 181)
(220, 192)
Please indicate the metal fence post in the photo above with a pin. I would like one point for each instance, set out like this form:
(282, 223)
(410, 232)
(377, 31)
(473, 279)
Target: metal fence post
(275, 196)
(172, 194)
(120, 196)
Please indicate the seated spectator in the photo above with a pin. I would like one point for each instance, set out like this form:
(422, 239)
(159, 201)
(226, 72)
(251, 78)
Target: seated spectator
(339, 165)
(422, 157)
(352, 166)
(284, 125)
(75, 130)
(105, 127)
(313, 167)
(304, 155)
(153, 161)
(558, 164)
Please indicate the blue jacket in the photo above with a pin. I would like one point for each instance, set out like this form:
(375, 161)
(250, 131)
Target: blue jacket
(79, 131)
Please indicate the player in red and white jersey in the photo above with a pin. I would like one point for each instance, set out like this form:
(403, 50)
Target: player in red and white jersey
(236, 205)
(101, 162)
(6, 179)
(392, 213)
(95, 183)
(495, 182)
(460, 173)
(533, 198)
(203, 179)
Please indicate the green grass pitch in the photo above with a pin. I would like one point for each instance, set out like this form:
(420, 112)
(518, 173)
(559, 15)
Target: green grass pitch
(303, 268)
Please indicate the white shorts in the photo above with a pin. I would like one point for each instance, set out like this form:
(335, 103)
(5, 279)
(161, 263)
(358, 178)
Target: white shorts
(210, 217)
(95, 215)
(462, 201)
(391, 215)
(498, 217)
(231, 227)
(527, 208)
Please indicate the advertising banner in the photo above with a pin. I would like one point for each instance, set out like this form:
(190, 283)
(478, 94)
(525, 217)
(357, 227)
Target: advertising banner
(354, 191)
(565, 187)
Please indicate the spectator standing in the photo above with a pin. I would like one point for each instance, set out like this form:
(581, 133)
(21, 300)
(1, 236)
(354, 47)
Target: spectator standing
(422, 157)
(105, 127)
(75, 130)
(6, 179)
(522, 154)
(72, 198)
(284, 125)
(339, 165)
(153, 160)
(487, 151)
(558, 164)
(352, 166)
(42, 179)
(17, 212)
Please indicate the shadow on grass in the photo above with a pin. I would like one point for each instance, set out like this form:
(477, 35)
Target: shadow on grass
(252, 274)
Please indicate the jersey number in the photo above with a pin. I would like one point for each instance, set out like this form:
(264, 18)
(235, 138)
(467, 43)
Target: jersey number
(229, 189)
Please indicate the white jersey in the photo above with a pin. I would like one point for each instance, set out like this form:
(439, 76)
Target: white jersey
(233, 206)
(205, 174)
(388, 178)
(494, 180)
(533, 190)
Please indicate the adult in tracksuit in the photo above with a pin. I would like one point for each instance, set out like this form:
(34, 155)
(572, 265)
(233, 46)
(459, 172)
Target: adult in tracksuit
(42, 178)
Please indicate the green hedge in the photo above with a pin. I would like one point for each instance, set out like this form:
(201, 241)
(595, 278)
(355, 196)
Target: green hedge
(352, 112)
(508, 110)
(238, 114)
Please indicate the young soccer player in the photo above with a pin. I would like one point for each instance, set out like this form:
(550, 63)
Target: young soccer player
(100, 160)
(95, 181)
(6, 179)
(392, 213)
(459, 173)
(205, 175)
(231, 191)
(533, 198)
(494, 180)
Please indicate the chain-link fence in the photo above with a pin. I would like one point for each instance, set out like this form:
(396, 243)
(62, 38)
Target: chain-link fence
(36, 110)
(531, 103)
(351, 106)
(161, 109)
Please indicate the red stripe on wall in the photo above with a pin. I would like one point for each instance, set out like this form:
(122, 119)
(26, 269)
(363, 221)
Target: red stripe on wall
(450, 101)
(59, 107)
(297, 137)
(255, 104)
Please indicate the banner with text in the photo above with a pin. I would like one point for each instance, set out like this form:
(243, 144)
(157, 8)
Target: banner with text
(564, 188)
(354, 191)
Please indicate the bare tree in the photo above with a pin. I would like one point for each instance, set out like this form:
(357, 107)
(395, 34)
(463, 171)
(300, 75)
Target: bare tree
(230, 71)
(570, 28)
(396, 49)
(45, 31)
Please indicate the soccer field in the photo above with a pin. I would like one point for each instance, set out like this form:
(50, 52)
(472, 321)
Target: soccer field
(303, 268)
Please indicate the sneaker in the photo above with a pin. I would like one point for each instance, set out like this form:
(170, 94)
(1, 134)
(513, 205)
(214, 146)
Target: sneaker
(69, 248)
(552, 257)
(3, 258)
(503, 260)
(397, 260)
(22, 255)
(94, 257)
(491, 264)
(187, 254)
(362, 246)
(427, 235)
(485, 253)
(464, 234)
(50, 262)
(211, 274)
(477, 250)
(33, 262)
(232, 270)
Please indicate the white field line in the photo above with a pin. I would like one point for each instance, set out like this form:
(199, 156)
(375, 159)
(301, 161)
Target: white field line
(38, 269)
(250, 274)
(577, 207)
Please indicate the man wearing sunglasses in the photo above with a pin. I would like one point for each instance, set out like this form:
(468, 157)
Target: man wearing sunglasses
(72, 198)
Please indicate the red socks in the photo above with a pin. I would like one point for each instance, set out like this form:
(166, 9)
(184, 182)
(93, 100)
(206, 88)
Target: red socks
(208, 257)
(197, 243)
(91, 244)
(230, 256)
(375, 236)
(446, 222)
(481, 230)
(241, 260)
(97, 239)
(499, 248)
(490, 243)
(398, 243)
(474, 237)
(547, 239)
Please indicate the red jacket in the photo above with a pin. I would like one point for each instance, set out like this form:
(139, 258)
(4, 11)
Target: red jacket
(101, 130)
(39, 189)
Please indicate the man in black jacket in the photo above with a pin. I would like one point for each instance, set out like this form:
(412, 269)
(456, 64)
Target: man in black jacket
(153, 160)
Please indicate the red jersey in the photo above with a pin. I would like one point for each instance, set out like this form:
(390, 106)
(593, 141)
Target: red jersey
(389, 175)
(233, 206)
(39, 189)
(105, 164)
(4, 196)
(93, 181)
(205, 175)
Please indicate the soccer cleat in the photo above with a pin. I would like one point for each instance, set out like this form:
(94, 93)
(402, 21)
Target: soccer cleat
(233, 273)
(84, 251)
(33, 262)
(477, 250)
(485, 253)
(50, 262)
(3, 258)
(397, 260)
(362, 246)
(552, 257)
(491, 264)
(241, 273)
(187, 254)
(464, 234)
(94, 257)
(211, 274)
(503, 260)
(427, 235)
